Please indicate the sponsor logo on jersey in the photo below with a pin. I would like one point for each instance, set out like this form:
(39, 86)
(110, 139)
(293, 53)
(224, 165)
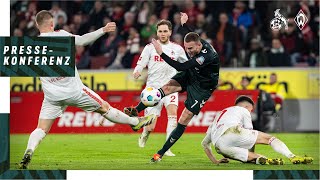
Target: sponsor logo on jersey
(200, 60)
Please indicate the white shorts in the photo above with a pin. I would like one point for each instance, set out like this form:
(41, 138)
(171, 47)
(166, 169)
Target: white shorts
(235, 143)
(86, 100)
(170, 99)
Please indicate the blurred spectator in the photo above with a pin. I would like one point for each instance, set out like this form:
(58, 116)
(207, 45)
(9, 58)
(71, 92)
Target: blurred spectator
(129, 22)
(110, 45)
(191, 10)
(96, 15)
(224, 35)
(60, 23)
(202, 26)
(30, 15)
(177, 38)
(292, 40)
(242, 19)
(117, 14)
(176, 23)
(245, 83)
(133, 41)
(122, 52)
(224, 85)
(145, 11)
(277, 90)
(256, 56)
(149, 29)
(57, 11)
(168, 10)
(17, 32)
(230, 38)
(78, 24)
(205, 37)
(267, 120)
(277, 55)
(82, 58)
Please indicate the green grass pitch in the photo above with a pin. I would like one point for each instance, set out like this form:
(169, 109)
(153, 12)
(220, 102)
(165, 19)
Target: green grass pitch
(121, 151)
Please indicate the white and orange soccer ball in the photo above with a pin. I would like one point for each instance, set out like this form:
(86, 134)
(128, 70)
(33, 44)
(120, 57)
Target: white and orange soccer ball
(150, 96)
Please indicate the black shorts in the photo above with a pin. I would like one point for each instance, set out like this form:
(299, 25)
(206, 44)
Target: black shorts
(196, 96)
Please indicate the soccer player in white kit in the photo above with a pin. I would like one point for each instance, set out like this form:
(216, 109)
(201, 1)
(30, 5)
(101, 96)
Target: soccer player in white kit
(159, 73)
(232, 135)
(60, 92)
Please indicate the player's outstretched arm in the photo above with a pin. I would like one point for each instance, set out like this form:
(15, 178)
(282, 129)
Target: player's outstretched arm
(207, 149)
(93, 36)
(177, 65)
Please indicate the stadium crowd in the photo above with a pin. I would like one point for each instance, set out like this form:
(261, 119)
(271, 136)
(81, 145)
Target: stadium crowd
(239, 30)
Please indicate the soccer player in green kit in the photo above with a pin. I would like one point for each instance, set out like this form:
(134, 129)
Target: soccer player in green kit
(198, 76)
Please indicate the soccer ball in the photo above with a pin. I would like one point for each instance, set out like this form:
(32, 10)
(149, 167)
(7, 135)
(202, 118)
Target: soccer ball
(150, 96)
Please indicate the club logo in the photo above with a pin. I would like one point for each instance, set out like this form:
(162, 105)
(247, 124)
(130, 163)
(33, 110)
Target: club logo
(301, 19)
(278, 21)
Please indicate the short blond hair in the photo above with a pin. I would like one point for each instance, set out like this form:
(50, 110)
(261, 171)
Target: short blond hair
(43, 16)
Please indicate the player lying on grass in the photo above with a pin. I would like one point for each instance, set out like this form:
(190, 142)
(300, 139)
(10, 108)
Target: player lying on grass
(232, 135)
(70, 91)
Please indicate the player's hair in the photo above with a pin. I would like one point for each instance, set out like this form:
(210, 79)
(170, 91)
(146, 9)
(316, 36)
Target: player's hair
(164, 22)
(43, 16)
(192, 36)
(244, 99)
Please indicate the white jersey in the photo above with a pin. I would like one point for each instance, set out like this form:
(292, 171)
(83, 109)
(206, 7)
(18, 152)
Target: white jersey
(229, 117)
(159, 72)
(60, 88)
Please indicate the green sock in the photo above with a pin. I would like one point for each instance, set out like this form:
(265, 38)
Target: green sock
(174, 136)
(140, 107)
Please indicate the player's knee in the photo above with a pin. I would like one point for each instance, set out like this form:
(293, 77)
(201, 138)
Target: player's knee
(172, 110)
(105, 107)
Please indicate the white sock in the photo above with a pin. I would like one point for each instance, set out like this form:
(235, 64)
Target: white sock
(172, 124)
(35, 138)
(116, 116)
(145, 132)
(280, 147)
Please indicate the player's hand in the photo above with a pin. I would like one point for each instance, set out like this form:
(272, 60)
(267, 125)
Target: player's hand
(157, 46)
(224, 160)
(183, 18)
(136, 75)
(110, 27)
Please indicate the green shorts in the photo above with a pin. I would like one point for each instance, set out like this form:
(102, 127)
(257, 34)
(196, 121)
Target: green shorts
(196, 96)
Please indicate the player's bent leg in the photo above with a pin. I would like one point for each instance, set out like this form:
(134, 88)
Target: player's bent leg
(44, 126)
(171, 87)
(114, 115)
(277, 145)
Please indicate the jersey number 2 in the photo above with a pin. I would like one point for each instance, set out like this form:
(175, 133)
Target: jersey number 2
(173, 98)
